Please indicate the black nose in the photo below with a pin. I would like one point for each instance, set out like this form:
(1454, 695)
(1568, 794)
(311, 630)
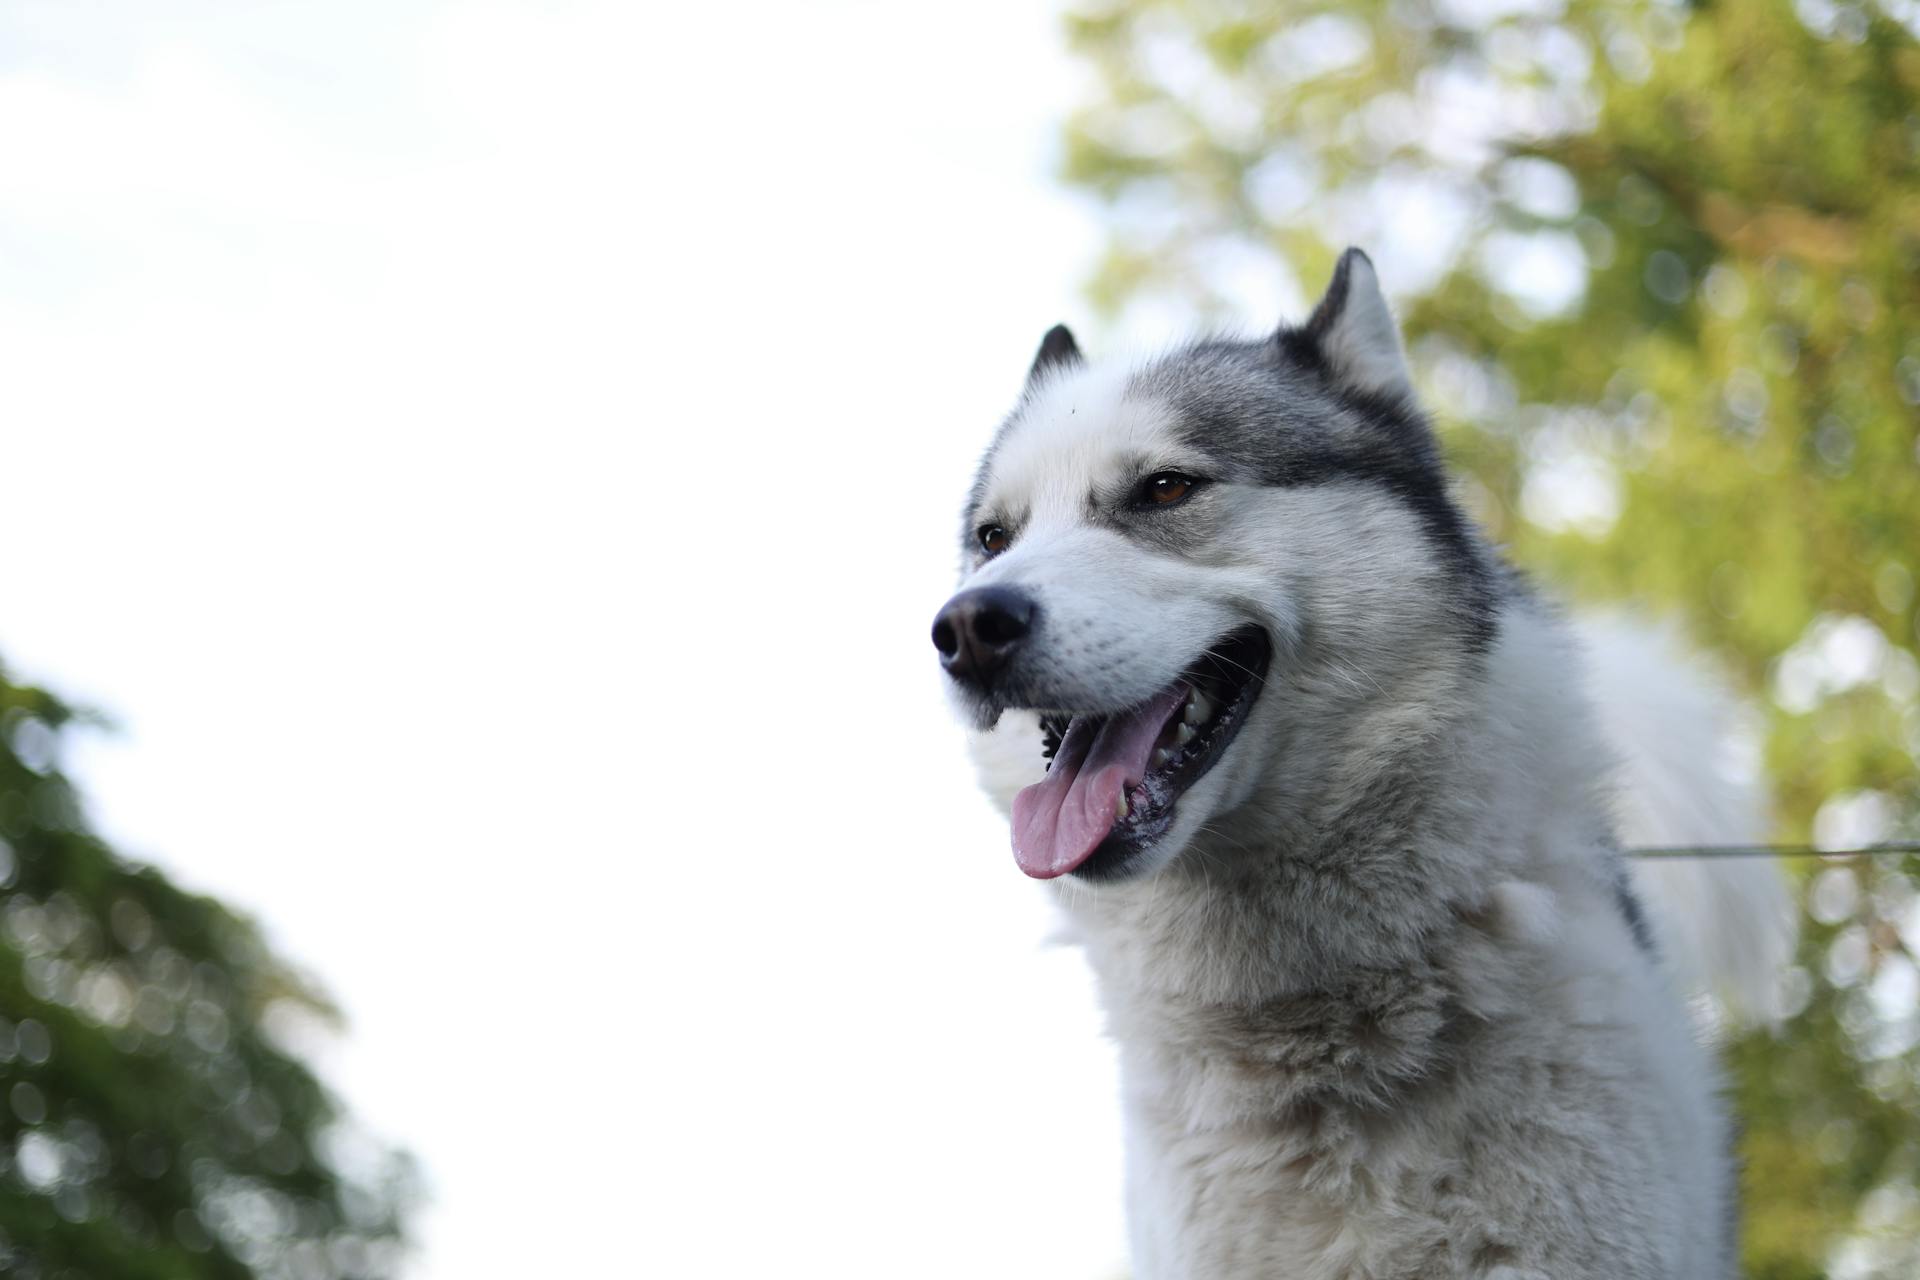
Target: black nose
(978, 631)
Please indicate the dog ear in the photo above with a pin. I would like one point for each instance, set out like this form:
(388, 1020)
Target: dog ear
(1353, 333)
(1058, 350)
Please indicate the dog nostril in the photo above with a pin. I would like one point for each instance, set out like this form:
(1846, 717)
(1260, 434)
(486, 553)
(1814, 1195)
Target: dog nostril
(999, 627)
(978, 632)
(944, 638)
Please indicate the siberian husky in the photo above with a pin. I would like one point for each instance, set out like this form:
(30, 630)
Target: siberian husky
(1320, 787)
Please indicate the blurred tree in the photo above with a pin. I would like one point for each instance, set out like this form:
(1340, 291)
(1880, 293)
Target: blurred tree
(152, 1125)
(1660, 269)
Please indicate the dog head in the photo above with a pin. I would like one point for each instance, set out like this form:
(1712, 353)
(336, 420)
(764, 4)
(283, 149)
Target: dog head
(1195, 583)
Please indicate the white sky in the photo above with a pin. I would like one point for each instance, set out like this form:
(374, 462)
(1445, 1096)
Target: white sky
(499, 463)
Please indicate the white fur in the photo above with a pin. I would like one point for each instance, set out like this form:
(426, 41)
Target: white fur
(1206, 1203)
(1450, 1058)
(1728, 924)
(1384, 1004)
(1676, 777)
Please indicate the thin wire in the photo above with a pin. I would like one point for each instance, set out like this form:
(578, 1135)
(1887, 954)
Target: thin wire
(1772, 851)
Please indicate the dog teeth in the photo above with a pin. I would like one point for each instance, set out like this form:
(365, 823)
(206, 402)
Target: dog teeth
(1199, 709)
(1160, 756)
(1120, 808)
(1183, 734)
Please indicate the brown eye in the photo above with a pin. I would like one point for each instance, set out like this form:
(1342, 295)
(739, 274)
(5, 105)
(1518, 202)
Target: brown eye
(1165, 488)
(993, 539)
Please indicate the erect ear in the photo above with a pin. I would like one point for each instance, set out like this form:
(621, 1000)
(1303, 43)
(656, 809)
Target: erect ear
(1354, 332)
(1058, 350)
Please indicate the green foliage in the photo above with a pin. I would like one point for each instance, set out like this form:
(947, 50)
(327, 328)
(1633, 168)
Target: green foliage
(150, 1126)
(1668, 315)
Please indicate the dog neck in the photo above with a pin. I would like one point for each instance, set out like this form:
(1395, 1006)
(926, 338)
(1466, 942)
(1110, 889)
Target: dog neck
(1332, 934)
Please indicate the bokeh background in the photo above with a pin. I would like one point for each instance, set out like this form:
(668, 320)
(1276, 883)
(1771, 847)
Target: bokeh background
(474, 477)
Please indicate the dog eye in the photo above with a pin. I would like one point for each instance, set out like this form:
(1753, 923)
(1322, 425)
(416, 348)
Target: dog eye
(1164, 488)
(993, 539)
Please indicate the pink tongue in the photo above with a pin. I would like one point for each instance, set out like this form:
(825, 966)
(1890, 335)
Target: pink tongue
(1059, 821)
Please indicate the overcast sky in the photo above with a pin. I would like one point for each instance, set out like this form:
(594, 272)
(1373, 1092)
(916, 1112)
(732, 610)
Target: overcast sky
(498, 463)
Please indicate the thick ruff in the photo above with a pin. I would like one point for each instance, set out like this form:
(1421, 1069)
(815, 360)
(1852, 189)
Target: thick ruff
(1332, 820)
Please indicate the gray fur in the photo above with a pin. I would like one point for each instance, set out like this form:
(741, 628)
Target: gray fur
(1383, 1003)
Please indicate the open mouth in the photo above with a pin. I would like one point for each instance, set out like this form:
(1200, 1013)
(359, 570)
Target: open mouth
(1114, 780)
